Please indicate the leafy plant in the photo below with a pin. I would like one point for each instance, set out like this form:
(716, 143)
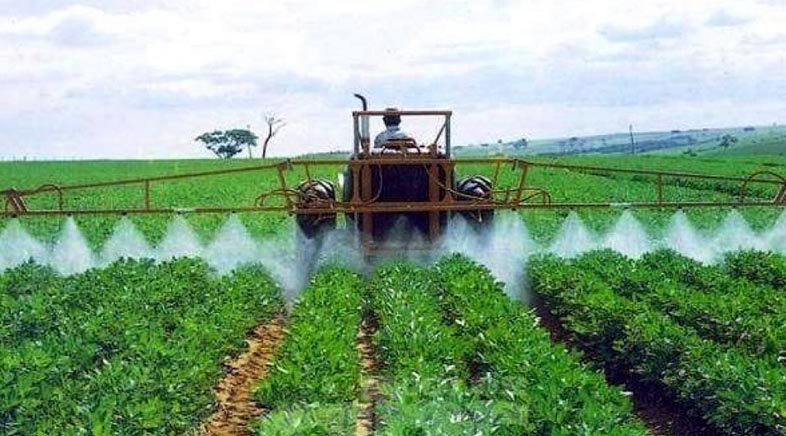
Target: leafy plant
(318, 363)
(762, 268)
(132, 348)
(736, 392)
(517, 362)
(426, 388)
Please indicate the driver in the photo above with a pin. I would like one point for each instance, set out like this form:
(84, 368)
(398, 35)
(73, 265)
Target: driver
(392, 131)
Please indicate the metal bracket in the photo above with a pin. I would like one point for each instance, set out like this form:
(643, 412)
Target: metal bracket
(15, 200)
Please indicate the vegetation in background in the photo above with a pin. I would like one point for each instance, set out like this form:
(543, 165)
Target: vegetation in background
(274, 124)
(225, 144)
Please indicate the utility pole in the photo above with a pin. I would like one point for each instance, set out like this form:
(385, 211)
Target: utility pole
(632, 142)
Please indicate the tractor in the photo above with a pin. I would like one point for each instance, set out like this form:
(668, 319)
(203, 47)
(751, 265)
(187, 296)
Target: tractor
(398, 185)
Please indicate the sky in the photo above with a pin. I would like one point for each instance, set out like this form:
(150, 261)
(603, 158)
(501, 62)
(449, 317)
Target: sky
(142, 78)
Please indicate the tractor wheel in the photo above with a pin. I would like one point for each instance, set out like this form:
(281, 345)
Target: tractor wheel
(476, 188)
(315, 194)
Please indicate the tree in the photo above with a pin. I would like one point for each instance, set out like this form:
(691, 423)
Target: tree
(521, 143)
(273, 126)
(226, 144)
(727, 140)
(573, 143)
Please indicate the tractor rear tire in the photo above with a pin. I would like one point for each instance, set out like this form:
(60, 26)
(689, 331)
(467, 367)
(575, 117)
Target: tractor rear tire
(476, 188)
(313, 194)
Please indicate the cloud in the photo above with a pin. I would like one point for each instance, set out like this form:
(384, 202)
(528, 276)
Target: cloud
(33, 8)
(662, 28)
(196, 91)
(78, 31)
(722, 18)
(76, 26)
(774, 39)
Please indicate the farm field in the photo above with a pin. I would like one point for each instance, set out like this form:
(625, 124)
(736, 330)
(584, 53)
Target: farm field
(448, 358)
(225, 341)
(452, 352)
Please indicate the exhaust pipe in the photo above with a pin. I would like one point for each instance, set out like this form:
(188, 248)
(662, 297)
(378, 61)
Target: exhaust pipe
(363, 100)
(365, 133)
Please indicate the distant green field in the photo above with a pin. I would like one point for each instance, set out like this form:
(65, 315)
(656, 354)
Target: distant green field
(774, 148)
(750, 140)
(242, 189)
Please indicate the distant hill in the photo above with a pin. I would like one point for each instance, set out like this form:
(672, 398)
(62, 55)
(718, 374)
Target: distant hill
(750, 140)
(747, 140)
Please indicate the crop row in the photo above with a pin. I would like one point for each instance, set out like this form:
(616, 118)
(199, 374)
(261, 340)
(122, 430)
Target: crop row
(128, 349)
(718, 306)
(515, 360)
(315, 378)
(733, 390)
(462, 358)
(426, 385)
(759, 267)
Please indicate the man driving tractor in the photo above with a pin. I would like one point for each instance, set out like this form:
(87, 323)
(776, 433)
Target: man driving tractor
(392, 131)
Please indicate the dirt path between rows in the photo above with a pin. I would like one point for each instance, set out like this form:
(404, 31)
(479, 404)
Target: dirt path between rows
(366, 421)
(236, 408)
(661, 415)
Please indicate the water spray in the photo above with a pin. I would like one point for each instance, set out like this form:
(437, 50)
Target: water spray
(503, 247)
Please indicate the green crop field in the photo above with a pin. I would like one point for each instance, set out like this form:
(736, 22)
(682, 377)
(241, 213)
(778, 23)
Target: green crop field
(693, 314)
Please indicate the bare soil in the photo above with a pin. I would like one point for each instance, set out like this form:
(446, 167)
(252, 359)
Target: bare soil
(366, 421)
(653, 406)
(236, 408)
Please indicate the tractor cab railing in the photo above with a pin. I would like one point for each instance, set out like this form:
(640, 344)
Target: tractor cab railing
(362, 134)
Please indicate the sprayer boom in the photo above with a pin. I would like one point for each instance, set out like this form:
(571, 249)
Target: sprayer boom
(519, 196)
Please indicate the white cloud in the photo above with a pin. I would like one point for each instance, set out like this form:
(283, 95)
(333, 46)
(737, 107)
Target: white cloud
(723, 18)
(141, 78)
(662, 28)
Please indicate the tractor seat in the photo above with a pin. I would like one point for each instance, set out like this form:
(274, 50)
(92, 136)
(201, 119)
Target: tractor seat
(405, 145)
